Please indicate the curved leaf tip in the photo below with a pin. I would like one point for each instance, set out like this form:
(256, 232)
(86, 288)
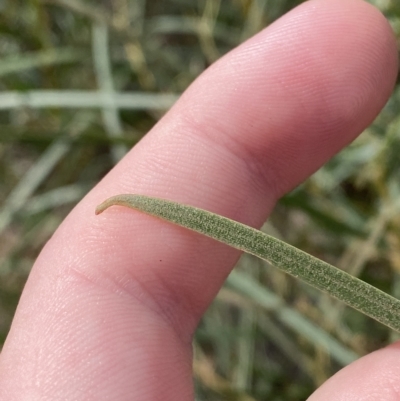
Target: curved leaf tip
(120, 200)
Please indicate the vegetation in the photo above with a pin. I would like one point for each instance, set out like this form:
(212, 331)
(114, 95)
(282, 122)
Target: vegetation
(266, 336)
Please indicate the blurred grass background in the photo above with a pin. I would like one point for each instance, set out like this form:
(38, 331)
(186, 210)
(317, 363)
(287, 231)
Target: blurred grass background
(82, 81)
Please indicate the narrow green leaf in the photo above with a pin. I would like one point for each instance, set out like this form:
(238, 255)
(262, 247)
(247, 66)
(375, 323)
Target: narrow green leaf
(354, 292)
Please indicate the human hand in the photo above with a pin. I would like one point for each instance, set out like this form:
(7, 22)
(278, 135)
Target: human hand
(112, 302)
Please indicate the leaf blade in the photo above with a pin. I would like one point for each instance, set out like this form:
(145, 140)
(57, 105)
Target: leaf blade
(339, 284)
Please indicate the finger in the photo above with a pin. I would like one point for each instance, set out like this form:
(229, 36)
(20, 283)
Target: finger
(373, 377)
(243, 137)
(126, 290)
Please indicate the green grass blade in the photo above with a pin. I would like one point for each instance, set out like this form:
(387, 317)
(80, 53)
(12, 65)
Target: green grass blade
(29, 183)
(352, 291)
(103, 68)
(22, 62)
(82, 99)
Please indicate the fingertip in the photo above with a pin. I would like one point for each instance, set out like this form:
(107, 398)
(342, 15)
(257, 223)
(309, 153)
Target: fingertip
(372, 377)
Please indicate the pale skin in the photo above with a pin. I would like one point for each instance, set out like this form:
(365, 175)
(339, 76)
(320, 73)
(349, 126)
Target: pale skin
(101, 317)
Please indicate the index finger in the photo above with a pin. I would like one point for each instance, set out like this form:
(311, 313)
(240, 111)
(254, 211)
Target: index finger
(257, 123)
